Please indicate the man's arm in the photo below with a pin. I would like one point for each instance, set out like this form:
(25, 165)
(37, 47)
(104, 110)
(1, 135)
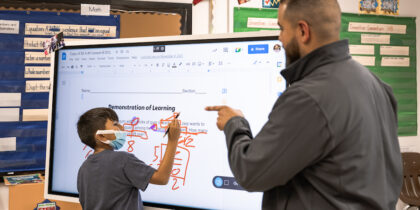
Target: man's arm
(295, 136)
(161, 176)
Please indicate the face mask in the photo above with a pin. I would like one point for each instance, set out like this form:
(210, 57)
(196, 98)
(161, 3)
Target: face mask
(119, 140)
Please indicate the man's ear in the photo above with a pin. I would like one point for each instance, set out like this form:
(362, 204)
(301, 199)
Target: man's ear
(304, 31)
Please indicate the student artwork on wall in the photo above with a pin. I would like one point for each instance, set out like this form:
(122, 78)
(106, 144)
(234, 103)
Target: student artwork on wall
(271, 3)
(381, 7)
(25, 74)
(385, 45)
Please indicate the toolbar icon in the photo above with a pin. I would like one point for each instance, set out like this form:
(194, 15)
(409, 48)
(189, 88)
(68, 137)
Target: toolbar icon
(159, 48)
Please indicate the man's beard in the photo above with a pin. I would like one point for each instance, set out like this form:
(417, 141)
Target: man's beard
(292, 52)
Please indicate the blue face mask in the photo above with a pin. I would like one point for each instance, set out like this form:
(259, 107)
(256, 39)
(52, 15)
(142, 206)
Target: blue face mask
(118, 142)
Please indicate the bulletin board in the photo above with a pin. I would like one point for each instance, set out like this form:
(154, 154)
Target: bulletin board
(24, 70)
(25, 74)
(241, 16)
(385, 45)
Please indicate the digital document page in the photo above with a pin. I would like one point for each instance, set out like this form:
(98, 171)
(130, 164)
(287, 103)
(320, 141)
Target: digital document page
(147, 86)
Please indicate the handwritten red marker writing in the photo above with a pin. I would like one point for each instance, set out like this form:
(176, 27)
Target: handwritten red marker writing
(167, 131)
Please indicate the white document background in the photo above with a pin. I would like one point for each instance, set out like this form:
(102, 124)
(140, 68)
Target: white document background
(205, 75)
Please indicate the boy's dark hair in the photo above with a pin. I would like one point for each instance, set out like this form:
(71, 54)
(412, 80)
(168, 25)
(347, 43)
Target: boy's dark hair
(92, 121)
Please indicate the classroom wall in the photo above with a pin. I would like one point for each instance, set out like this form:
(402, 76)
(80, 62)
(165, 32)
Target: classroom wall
(200, 14)
(222, 22)
(407, 8)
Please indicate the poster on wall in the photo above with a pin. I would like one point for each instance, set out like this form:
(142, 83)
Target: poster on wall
(271, 3)
(389, 7)
(379, 7)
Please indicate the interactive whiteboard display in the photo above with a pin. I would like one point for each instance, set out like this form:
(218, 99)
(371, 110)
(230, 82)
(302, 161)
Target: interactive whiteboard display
(146, 81)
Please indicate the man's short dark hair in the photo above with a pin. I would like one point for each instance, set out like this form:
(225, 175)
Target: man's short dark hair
(323, 15)
(92, 121)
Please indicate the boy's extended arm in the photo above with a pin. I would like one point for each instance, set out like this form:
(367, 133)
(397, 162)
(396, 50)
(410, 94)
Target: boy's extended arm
(161, 176)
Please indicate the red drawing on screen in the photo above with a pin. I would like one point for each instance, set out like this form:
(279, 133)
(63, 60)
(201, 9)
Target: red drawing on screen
(133, 133)
(164, 123)
(90, 150)
(180, 167)
(182, 156)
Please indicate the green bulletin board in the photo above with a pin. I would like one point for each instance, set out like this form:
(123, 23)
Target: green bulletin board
(401, 78)
(389, 51)
(241, 15)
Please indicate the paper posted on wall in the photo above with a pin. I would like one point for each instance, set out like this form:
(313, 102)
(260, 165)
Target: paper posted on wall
(54, 43)
(379, 7)
(23, 179)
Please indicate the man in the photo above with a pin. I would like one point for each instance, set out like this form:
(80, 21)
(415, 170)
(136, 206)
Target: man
(331, 138)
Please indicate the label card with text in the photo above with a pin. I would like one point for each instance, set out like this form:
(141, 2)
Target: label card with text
(7, 144)
(365, 60)
(37, 71)
(377, 28)
(95, 9)
(375, 39)
(10, 99)
(395, 50)
(395, 61)
(9, 27)
(362, 49)
(262, 23)
(35, 115)
(9, 114)
(37, 86)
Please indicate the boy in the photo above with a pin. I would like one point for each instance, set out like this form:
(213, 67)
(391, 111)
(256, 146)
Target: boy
(109, 179)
